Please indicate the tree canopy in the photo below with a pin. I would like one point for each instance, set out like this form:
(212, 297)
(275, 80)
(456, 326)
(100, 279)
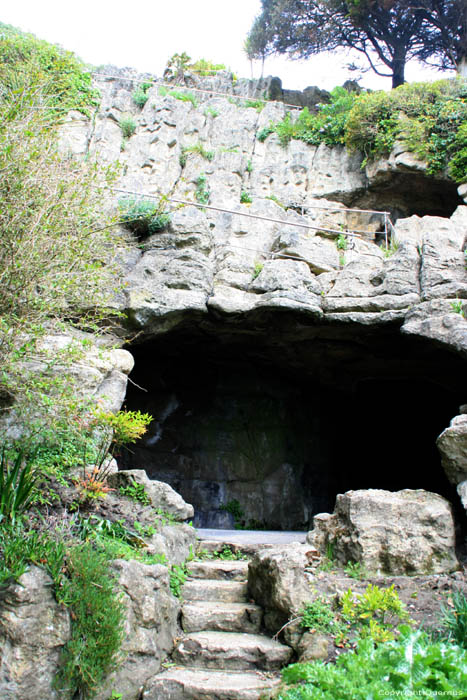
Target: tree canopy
(388, 33)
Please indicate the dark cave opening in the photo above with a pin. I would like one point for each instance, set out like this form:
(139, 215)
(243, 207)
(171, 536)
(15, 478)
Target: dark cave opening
(278, 423)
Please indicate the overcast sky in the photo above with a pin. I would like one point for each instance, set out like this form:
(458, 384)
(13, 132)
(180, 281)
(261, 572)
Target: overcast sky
(144, 33)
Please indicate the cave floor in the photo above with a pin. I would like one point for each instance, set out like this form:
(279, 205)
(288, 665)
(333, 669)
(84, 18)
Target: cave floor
(250, 536)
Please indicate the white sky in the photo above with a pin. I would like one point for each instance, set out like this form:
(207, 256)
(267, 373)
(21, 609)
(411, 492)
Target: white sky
(143, 34)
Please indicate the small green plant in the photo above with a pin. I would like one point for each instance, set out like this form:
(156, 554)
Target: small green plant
(136, 492)
(454, 619)
(257, 270)
(249, 167)
(164, 517)
(144, 217)
(202, 189)
(392, 248)
(458, 307)
(128, 126)
(342, 260)
(341, 242)
(197, 148)
(204, 68)
(184, 97)
(18, 481)
(234, 508)
(211, 112)
(355, 569)
(140, 96)
(376, 613)
(275, 199)
(263, 133)
(245, 197)
(178, 576)
(318, 616)
(259, 105)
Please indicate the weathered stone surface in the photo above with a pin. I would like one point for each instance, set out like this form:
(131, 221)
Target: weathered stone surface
(222, 570)
(313, 646)
(276, 582)
(452, 444)
(225, 591)
(162, 495)
(150, 626)
(238, 651)
(33, 630)
(194, 684)
(437, 321)
(403, 532)
(221, 617)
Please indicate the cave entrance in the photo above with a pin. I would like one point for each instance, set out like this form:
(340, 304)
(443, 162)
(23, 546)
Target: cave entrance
(263, 429)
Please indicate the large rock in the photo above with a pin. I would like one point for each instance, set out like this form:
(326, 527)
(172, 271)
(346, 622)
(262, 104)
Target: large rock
(452, 444)
(276, 581)
(33, 630)
(161, 495)
(150, 627)
(403, 532)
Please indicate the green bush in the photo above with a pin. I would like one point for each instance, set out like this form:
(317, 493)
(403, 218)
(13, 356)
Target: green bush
(26, 61)
(128, 126)
(410, 667)
(454, 619)
(318, 615)
(140, 96)
(98, 617)
(245, 197)
(143, 217)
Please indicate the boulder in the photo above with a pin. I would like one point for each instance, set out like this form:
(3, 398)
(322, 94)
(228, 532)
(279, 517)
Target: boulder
(162, 495)
(403, 532)
(452, 445)
(277, 582)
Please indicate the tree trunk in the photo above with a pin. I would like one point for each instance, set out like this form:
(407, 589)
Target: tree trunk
(398, 71)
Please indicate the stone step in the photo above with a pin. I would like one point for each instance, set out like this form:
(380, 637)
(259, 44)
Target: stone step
(200, 684)
(231, 651)
(226, 591)
(222, 617)
(219, 569)
(248, 550)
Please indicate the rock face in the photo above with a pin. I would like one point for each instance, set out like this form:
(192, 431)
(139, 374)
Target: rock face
(161, 495)
(407, 532)
(150, 627)
(253, 325)
(33, 629)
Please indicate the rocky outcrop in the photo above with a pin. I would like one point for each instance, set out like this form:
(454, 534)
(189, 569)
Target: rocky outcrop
(271, 282)
(161, 495)
(407, 532)
(33, 630)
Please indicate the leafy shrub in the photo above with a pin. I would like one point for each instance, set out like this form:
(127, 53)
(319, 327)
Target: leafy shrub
(140, 96)
(341, 242)
(410, 667)
(245, 197)
(97, 630)
(26, 62)
(143, 216)
(376, 613)
(128, 126)
(259, 105)
(203, 68)
(179, 95)
(257, 270)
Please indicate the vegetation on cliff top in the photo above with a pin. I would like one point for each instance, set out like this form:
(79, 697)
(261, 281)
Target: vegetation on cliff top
(429, 118)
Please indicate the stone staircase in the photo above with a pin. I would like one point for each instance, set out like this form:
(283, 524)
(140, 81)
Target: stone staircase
(223, 655)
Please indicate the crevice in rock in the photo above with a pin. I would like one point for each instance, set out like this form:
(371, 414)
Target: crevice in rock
(281, 415)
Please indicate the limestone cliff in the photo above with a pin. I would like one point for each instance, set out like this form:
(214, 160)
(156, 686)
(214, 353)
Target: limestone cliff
(277, 360)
